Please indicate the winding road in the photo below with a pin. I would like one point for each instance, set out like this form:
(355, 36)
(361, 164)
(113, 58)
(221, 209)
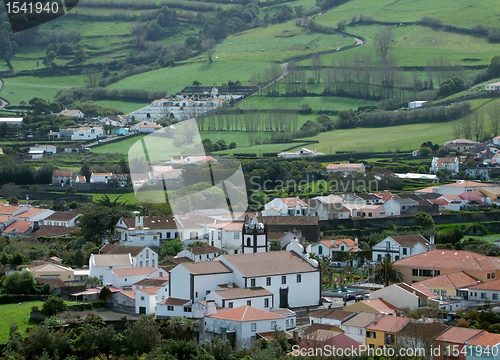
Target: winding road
(3, 103)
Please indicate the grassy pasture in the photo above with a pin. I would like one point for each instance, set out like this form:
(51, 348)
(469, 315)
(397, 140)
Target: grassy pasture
(417, 45)
(315, 102)
(405, 137)
(463, 13)
(21, 88)
(260, 149)
(125, 106)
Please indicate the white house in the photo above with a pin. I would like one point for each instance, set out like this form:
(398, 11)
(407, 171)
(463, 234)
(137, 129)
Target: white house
(101, 178)
(124, 278)
(402, 296)
(291, 206)
(395, 207)
(330, 317)
(170, 307)
(299, 153)
(355, 327)
(245, 322)
(61, 177)
(445, 163)
(49, 149)
(102, 266)
(226, 235)
(416, 104)
(327, 211)
(233, 297)
(328, 247)
(145, 300)
(141, 255)
(83, 133)
(399, 247)
(292, 279)
(201, 253)
(145, 231)
(67, 219)
(488, 291)
(493, 87)
(460, 144)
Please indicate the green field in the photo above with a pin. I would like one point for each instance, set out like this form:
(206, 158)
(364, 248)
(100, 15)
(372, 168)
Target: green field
(19, 314)
(259, 149)
(463, 13)
(125, 106)
(315, 102)
(24, 88)
(405, 137)
(489, 238)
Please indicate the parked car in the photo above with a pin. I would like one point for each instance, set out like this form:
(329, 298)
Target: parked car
(348, 297)
(359, 297)
(326, 300)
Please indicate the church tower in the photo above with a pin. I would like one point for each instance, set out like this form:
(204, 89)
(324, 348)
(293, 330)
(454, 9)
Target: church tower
(254, 237)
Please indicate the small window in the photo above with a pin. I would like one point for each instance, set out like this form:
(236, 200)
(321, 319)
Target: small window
(125, 279)
(283, 279)
(483, 296)
(266, 303)
(405, 251)
(142, 298)
(142, 238)
(492, 275)
(187, 308)
(196, 294)
(299, 278)
(291, 322)
(268, 281)
(252, 282)
(208, 292)
(254, 327)
(249, 302)
(273, 325)
(489, 276)
(230, 305)
(346, 331)
(170, 308)
(494, 296)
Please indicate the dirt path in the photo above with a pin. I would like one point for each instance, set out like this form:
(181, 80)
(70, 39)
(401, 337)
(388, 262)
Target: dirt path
(2, 102)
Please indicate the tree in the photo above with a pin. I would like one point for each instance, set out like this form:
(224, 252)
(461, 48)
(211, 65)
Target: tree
(341, 25)
(85, 171)
(53, 306)
(424, 220)
(181, 328)
(99, 221)
(92, 77)
(80, 55)
(105, 295)
(13, 201)
(208, 45)
(171, 247)
(143, 336)
(19, 283)
(196, 83)
(232, 145)
(92, 282)
(386, 272)
(493, 69)
(383, 42)
(275, 245)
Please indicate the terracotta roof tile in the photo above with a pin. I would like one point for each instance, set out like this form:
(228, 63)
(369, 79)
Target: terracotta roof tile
(61, 173)
(331, 314)
(53, 231)
(459, 335)
(132, 250)
(390, 324)
(174, 301)
(150, 291)
(455, 280)
(19, 227)
(362, 319)
(145, 270)
(62, 216)
(486, 339)
(380, 305)
(245, 313)
(206, 268)
(450, 260)
(204, 250)
(269, 263)
(490, 285)
(152, 282)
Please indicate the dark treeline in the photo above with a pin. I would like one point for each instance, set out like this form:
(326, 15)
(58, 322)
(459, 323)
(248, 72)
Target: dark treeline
(150, 4)
(24, 175)
(68, 96)
(348, 119)
(490, 32)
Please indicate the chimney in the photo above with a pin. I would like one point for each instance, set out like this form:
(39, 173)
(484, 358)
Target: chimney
(296, 336)
(333, 243)
(356, 240)
(210, 308)
(139, 221)
(431, 239)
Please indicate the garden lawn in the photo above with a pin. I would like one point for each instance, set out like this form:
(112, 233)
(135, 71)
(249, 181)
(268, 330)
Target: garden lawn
(404, 137)
(19, 314)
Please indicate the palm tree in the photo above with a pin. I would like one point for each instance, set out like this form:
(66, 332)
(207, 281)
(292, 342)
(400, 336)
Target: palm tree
(386, 273)
(182, 328)
(106, 201)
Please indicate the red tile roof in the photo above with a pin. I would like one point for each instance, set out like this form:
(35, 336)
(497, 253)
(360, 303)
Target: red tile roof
(150, 291)
(486, 339)
(174, 301)
(391, 324)
(459, 335)
(380, 305)
(336, 243)
(135, 271)
(455, 280)
(490, 285)
(450, 260)
(61, 173)
(52, 231)
(19, 227)
(62, 216)
(246, 313)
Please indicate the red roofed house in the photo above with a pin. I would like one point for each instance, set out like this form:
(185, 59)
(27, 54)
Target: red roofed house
(19, 228)
(146, 299)
(450, 164)
(448, 284)
(376, 306)
(61, 177)
(328, 247)
(383, 332)
(489, 291)
(489, 346)
(403, 295)
(291, 206)
(400, 247)
(453, 341)
(124, 278)
(241, 325)
(438, 262)
(327, 340)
